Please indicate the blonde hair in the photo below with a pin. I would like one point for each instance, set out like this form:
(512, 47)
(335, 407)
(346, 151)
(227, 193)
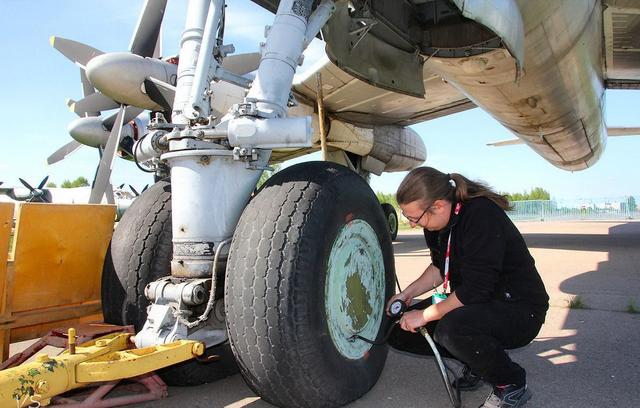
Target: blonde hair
(427, 185)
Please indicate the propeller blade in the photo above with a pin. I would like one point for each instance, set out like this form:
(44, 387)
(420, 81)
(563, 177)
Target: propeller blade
(106, 162)
(120, 186)
(242, 63)
(80, 54)
(27, 185)
(131, 113)
(509, 142)
(134, 190)
(40, 196)
(46, 197)
(157, 52)
(95, 174)
(95, 102)
(63, 152)
(87, 86)
(109, 193)
(160, 92)
(87, 89)
(145, 36)
(623, 131)
(43, 182)
(145, 187)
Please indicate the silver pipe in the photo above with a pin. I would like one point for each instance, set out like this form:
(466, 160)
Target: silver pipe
(198, 104)
(280, 57)
(320, 16)
(189, 46)
(212, 294)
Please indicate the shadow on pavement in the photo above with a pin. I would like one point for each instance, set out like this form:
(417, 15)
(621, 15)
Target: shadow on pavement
(581, 358)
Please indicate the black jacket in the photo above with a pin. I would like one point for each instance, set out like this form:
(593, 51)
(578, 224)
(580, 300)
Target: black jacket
(489, 259)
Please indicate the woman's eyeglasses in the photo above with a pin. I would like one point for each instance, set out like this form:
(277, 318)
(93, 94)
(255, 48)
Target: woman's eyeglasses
(416, 220)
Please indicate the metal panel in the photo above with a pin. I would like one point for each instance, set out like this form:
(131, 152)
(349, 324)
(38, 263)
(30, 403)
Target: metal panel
(271, 5)
(556, 108)
(6, 223)
(622, 42)
(59, 255)
(370, 58)
(503, 18)
(353, 100)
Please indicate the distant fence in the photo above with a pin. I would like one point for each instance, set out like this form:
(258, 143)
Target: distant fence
(583, 209)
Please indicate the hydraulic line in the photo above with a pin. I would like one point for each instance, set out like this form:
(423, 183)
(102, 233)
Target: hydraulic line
(397, 309)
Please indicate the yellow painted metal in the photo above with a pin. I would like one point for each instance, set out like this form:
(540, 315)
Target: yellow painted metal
(323, 134)
(59, 254)
(103, 359)
(130, 363)
(6, 224)
(53, 273)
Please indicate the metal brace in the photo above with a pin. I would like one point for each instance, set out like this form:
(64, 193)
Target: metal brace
(246, 154)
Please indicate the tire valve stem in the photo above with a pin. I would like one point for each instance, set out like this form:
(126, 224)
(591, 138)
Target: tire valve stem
(396, 310)
(71, 339)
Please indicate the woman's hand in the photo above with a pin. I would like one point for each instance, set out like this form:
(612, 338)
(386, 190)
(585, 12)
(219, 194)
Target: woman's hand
(413, 319)
(401, 296)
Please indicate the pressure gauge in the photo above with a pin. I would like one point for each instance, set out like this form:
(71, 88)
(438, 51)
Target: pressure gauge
(397, 308)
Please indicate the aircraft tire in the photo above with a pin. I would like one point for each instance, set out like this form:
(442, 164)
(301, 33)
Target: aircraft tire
(310, 264)
(140, 252)
(391, 216)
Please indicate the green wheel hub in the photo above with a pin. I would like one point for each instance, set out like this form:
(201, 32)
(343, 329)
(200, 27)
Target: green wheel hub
(355, 288)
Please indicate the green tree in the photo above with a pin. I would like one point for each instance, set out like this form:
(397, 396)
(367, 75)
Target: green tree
(79, 182)
(388, 198)
(51, 184)
(267, 174)
(537, 193)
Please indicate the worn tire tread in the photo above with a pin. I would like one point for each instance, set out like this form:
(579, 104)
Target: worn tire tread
(268, 327)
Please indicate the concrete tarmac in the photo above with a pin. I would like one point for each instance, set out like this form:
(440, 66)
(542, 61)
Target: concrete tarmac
(583, 357)
(587, 357)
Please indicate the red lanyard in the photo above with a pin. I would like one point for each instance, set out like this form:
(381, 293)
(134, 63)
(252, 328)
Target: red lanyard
(448, 253)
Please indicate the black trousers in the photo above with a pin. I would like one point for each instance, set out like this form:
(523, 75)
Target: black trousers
(478, 335)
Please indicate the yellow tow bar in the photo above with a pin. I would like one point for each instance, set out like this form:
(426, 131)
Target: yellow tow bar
(107, 358)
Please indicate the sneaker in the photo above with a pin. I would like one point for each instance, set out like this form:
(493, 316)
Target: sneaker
(468, 381)
(507, 396)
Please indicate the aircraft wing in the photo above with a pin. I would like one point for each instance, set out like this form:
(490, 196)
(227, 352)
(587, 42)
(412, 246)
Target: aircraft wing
(355, 101)
(621, 23)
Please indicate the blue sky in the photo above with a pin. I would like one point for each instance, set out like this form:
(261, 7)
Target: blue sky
(37, 80)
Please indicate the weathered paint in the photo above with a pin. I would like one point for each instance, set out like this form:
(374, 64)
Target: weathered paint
(354, 288)
(108, 358)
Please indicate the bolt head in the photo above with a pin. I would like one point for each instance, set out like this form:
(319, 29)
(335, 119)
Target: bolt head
(198, 349)
(41, 358)
(42, 387)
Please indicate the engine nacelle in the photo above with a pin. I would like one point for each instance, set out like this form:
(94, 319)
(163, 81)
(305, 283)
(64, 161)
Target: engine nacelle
(383, 148)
